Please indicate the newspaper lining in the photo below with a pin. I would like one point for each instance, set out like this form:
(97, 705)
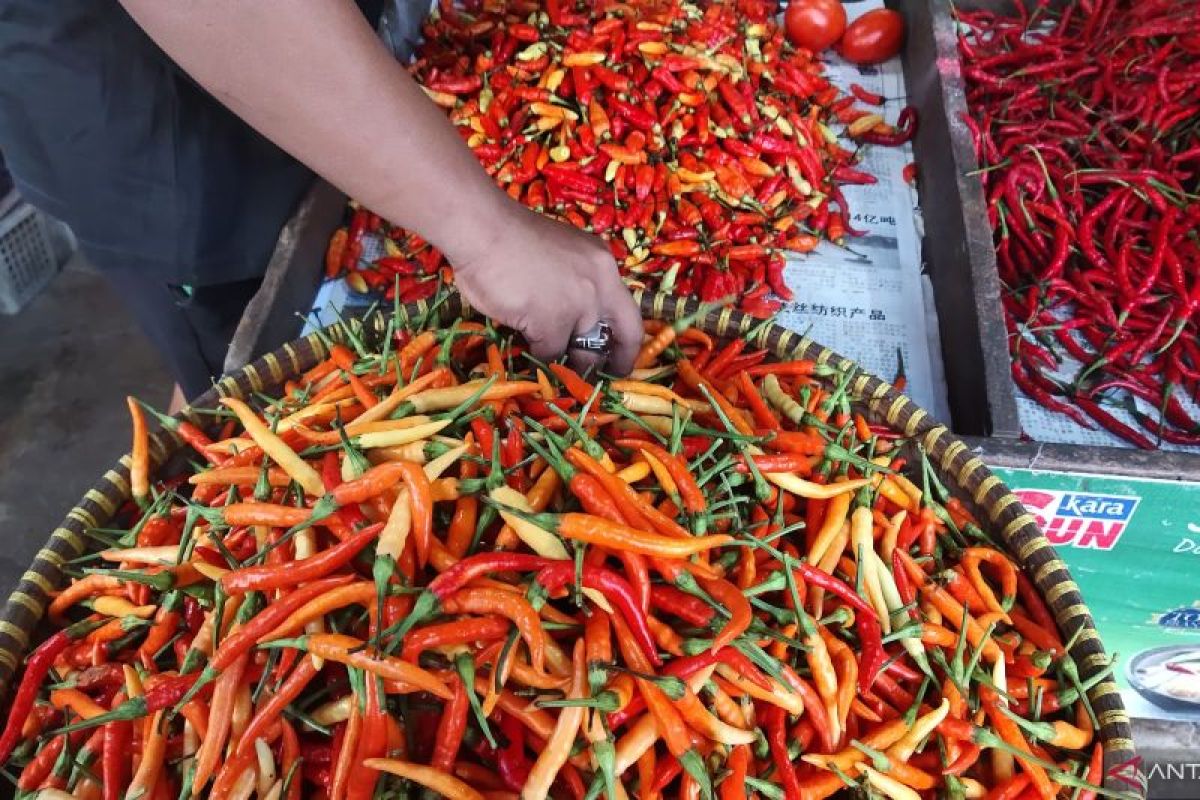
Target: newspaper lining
(869, 300)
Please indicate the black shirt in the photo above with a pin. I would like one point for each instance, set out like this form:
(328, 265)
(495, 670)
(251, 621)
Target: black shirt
(103, 131)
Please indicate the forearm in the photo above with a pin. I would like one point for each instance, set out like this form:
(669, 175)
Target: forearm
(311, 76)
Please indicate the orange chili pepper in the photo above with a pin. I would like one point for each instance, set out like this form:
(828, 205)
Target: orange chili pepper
(614, 536)
(846, 669)
(1042, 638)
(576, 386)
(417, 347)
(692, 377)
(85, 587)
(344, 358)
(553, 756)
(219, 721)
(1011, 734)
(597, 638)
(154, 746)
(461, 631)
(671, 727)
(689, 490)
(972, 557)
(963, 591)
(271, 711)
(359, 593)
(334, 252)
(736, 603)
(139, 458)
(444, 784)
(348, 650)
(76, 701)
(763, 415)
(951, 609)
(510, 606)
(421, 496)
(345, 757)
(231, 772)
(637, 513)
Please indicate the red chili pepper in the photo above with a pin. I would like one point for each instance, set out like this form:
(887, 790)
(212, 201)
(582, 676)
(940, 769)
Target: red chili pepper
(603, 220)
(1095, 773)
(355, 231)
(511, 761)
(481, 629)
(668, 80)
(687, 607)
(570, 177)
(775, 279)
(969, 753)
(38, 770)
(197, 439)
(643, 181)
(249, 579)
(734, 100)
(615, 589)
(845, 174)
(776, 145)
(775, 719)
(463, 572)
(868, 97)
(512, 453)
(667, 770)
(114, 758)
(908, 595)
(687, 666)
(37, 666)
(1112, 424)
(331, 476)
(465, 84)
(372, 743)
(733, 786)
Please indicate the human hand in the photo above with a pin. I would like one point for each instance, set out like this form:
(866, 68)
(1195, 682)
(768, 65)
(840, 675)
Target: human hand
(550, 282)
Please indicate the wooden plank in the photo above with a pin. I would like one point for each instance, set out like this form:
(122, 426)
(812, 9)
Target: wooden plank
(1087, 460)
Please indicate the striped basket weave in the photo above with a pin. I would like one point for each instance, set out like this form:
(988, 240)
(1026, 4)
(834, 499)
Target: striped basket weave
(964, 474)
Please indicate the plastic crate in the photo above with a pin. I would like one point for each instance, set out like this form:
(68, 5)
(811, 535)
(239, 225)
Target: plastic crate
(27, 257)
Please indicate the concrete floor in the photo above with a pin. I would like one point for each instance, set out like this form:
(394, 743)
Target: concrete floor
(67, 361)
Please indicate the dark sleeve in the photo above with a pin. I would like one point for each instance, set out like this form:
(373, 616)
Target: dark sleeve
(103, 131)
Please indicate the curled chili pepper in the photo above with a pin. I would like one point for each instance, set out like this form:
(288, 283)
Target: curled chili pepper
(615, 589)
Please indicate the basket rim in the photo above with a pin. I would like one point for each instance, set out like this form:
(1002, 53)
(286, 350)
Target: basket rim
(963, 471)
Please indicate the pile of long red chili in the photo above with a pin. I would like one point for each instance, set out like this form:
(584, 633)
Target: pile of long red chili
(693, 137)
(1086, 129)
(444, 564)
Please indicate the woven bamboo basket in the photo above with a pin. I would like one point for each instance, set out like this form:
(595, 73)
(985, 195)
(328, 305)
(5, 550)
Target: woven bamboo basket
(964, 474)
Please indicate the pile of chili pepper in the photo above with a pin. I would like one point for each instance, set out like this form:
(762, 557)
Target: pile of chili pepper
(694, 138)
(1085, 121)
(442, 564)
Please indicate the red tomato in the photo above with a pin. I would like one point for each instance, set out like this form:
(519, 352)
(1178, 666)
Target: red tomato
(814, 24)
(875, 36)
